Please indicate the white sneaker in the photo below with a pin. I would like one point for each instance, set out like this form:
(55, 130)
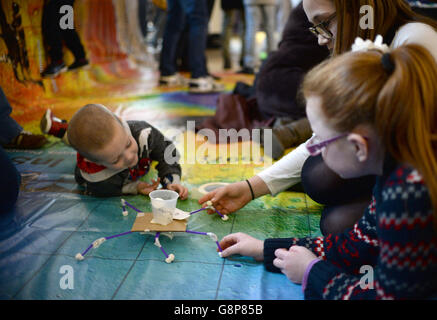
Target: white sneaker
(205, 85)
(175, 80)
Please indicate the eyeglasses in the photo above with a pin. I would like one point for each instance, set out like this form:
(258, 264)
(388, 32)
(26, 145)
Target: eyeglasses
(315, 146)
(322, 28)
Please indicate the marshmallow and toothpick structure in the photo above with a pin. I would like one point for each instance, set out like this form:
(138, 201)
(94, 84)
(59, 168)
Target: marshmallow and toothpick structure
(168, 257)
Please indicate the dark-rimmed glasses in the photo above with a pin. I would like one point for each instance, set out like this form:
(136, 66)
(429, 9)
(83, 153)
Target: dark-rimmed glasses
(322, 28)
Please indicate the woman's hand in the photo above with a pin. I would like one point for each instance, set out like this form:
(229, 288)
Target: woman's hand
(228, 199)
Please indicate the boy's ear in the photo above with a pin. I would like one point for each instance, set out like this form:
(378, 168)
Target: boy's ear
(361, 146)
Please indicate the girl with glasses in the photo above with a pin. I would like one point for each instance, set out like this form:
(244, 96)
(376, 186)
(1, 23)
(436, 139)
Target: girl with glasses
(373, 113)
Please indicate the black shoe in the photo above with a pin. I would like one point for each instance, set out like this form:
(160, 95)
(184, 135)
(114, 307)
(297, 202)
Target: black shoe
(27, 140)
(78, 64)
(54, 69)
(246, 70)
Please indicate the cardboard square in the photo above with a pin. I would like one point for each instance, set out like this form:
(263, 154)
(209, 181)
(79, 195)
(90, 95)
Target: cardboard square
(144, 223)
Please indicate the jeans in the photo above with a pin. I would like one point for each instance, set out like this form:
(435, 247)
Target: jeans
(54, 36)
(229, 19)
(9, 129)
(195, 14)
(255, 14)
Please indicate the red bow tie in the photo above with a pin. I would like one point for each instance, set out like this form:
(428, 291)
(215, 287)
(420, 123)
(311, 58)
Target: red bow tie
(141, 169)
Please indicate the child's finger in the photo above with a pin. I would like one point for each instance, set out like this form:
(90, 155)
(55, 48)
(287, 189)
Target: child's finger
(184, 193)
(281, 253)
(278, 263)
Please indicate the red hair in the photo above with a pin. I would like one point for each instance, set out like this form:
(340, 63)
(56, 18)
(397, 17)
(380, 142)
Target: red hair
(402, 106)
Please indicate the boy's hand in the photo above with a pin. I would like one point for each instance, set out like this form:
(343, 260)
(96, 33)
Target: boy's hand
(145, 188)
(183, 191)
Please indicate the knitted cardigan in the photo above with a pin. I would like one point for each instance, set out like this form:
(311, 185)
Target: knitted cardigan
(395, 237)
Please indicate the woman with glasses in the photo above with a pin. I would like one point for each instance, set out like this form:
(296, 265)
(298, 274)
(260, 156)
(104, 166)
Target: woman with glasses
(336, 23)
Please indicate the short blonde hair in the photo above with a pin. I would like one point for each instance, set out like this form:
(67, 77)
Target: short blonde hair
(91, 128)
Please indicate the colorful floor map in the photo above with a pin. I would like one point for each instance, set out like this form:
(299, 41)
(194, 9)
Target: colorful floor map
(54, 220)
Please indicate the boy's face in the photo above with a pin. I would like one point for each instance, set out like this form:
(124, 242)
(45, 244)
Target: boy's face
(121, 152)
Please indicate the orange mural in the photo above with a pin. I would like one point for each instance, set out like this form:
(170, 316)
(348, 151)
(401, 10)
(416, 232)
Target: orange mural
(107, 37)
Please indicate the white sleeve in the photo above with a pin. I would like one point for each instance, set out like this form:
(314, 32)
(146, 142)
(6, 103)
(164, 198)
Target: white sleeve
(417, 33)
(286, 172)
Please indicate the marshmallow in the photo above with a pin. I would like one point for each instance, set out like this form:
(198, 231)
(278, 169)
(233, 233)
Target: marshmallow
(212, 236)
(79, 257)
(170, 258)
(98, 242)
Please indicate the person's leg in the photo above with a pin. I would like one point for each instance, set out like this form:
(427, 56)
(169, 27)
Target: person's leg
(253, 19)
(51, 31)
(287, 135)
(9, 183)
(196, 12)
(337, 219)
(345, 199)
(269, 15)
(12, 135)
(242, 18)
(173, 29)
(9, 128)
(71, 37)
(228, 19)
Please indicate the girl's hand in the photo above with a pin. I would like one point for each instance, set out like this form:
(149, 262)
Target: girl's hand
(293, 262)
(243, 244)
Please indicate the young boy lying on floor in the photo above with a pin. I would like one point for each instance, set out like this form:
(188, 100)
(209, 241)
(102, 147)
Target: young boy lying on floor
(113, 154)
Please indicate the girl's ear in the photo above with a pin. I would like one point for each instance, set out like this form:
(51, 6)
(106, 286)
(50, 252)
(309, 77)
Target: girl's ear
(361, 146)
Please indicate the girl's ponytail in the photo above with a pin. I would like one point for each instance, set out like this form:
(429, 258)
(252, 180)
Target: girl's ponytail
(406, 113)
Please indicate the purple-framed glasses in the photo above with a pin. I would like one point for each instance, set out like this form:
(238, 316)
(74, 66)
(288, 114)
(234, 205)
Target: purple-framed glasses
(315, 147)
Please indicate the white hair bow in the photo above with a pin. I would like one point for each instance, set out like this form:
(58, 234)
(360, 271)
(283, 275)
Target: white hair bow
(361, 45)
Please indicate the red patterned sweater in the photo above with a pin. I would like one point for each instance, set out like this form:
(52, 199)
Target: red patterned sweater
(395, 240)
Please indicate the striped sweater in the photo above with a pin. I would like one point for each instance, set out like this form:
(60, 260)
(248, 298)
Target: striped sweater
(395, 240)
